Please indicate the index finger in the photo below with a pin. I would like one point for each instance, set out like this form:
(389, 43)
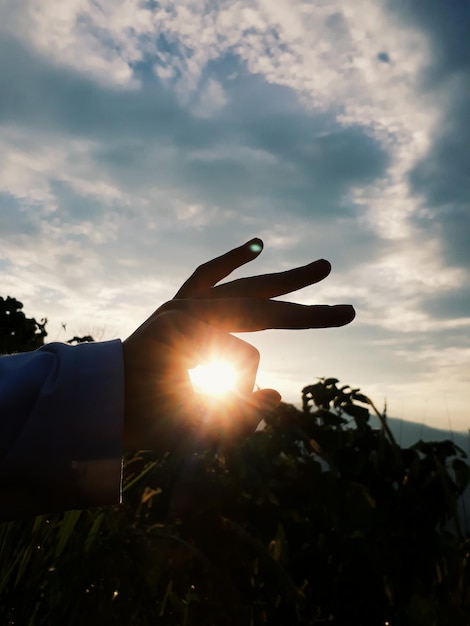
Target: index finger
(210, 273)
(272, 285)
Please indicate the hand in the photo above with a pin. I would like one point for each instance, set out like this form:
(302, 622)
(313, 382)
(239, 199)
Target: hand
(161, 408)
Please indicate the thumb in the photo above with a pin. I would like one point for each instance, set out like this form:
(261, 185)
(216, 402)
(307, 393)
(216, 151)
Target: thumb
(261, 403)
(266, 400)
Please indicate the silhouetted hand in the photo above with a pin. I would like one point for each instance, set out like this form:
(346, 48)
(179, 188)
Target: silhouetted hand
(161, 409)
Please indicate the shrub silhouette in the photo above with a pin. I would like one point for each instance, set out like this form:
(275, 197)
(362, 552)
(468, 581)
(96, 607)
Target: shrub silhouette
(17, 332)
(319, 518)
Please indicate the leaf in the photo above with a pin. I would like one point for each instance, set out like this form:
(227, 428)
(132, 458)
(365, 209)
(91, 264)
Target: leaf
(94, 530)
(319, 394)
(360, 397)
(128, 486)
(166, 597)
(66, 529)
(359, 413)
(149, 493)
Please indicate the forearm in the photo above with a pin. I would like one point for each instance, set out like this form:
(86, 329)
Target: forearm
(61, 415)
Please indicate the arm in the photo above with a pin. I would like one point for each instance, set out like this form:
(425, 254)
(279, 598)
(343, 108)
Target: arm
(61, 411)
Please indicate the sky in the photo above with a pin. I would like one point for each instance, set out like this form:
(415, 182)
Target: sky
(139, 139)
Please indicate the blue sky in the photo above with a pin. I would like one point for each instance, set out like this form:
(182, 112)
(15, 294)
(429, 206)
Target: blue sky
(139, 139)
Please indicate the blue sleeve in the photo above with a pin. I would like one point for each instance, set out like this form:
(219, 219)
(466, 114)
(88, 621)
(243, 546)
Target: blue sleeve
(61, 419)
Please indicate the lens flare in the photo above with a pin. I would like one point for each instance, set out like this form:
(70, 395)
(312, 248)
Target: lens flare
(214, 379)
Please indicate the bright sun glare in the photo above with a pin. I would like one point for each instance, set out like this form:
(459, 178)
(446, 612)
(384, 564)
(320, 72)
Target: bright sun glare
(214, 378)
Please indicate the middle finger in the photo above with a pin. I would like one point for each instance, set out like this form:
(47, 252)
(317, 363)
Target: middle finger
(245, 314)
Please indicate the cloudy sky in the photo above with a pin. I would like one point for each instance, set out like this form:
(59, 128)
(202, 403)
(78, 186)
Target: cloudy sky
(141, 138)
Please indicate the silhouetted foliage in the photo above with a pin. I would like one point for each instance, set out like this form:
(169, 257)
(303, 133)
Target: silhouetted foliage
(319, 518)
(76, 340)
(19, 333)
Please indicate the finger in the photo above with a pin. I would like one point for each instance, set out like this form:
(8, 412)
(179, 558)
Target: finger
(264, 402)
(245, 314)
(272, 285)
(213, 271)
(235, 417)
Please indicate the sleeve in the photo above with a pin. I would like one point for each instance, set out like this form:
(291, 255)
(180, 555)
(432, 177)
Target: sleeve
(61, 421)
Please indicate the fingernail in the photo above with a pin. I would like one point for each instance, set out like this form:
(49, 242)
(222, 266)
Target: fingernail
(255, 245)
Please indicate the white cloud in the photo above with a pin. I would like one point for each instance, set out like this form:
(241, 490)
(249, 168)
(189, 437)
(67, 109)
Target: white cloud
(211, 99)
(326, 52)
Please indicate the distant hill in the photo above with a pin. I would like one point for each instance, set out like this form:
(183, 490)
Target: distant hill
(408, 433)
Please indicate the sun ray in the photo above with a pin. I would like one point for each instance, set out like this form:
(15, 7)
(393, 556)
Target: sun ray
(215, 378)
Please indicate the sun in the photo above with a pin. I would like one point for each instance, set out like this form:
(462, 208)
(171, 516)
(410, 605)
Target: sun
(213, 379)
